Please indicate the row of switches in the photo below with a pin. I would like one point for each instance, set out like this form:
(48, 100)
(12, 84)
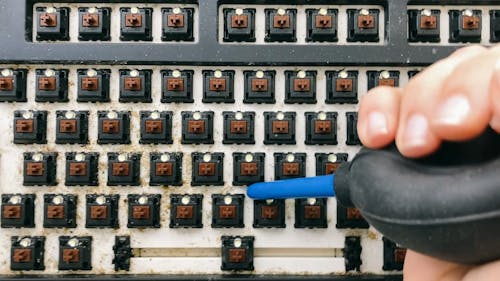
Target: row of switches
(281, 25)
(95, 24)
(166, 168)
(93, 85)
(237, 253)
(197, 127)
(186, 211)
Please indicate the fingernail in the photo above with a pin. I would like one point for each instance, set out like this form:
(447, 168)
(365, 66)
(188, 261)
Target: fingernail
(453, 111)
(377, 124)
(495, 122)
(415, 134)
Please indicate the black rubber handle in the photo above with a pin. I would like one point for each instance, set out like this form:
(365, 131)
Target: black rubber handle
(446, 206)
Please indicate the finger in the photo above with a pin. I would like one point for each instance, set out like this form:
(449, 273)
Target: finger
(378, 116)
(462, 109)
(414, 137)
(419, 267)
(495, 97)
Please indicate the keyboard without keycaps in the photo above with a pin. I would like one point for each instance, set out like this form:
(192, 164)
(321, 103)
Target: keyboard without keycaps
(131, 130)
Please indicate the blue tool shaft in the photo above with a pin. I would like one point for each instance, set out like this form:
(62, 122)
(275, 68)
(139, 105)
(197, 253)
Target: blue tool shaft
(321, 186)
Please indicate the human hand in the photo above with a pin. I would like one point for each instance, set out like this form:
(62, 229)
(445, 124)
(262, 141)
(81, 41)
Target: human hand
(455, 99)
